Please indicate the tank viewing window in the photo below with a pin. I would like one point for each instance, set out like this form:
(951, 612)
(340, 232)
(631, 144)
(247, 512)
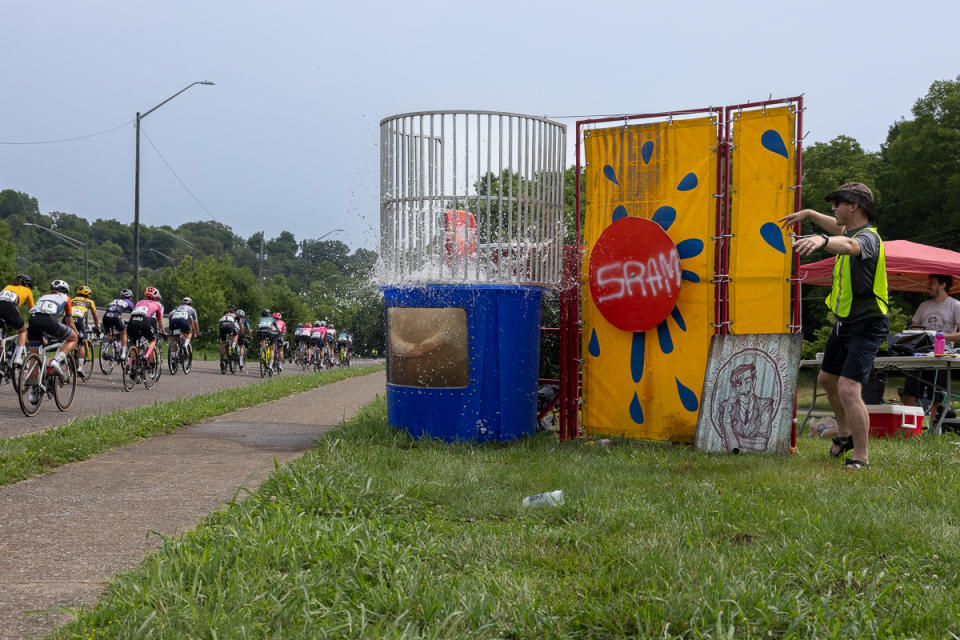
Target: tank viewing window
(428, 347)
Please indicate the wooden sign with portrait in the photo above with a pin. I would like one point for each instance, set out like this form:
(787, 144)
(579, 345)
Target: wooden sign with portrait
(749, 393)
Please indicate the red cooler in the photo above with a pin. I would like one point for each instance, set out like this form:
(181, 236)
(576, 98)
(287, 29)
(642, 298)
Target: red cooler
(895, 420)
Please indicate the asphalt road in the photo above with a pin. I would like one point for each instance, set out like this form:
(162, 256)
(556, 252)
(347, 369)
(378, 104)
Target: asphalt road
(104, 394)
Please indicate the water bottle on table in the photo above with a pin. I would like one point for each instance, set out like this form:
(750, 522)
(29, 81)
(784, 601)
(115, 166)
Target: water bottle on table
(939, 344)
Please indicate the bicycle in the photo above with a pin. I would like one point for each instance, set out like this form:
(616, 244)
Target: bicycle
(266, 353)
(138, 368)
(39, 379)
(179, 356)
(343, 358)
(9, 371)
(85, 347)
(229, 357)
(110, 352)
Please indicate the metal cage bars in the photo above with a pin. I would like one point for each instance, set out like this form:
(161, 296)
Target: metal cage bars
(504, 171)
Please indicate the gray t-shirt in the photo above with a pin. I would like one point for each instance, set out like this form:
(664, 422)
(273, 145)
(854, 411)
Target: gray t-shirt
(938, 316)
(862, 271)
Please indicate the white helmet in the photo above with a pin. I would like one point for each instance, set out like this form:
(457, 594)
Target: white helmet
(323, 323)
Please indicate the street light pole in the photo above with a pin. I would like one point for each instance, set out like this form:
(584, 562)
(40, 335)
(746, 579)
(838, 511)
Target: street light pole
(76, 244)
(136, 187)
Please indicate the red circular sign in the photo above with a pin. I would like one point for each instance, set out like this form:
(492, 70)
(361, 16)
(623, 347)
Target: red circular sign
(635, 274)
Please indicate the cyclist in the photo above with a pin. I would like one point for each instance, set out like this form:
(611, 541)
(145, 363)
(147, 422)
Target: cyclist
(12, 298)
(246, 334)
(146, 320)
(331, 338)
(84, 308)
(229, 328)
(317, 334)
(281, 337)
(113, 317)
(266, 328)
(342, 348)
(45, 320)
(302, 338)
(184, 318)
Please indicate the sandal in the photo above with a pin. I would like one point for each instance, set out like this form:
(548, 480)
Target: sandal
(841, 444)
(855, 465)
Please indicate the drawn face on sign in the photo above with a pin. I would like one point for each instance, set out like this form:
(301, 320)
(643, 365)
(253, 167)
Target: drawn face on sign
(635, 274)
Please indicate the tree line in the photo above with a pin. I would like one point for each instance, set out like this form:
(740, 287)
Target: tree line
(305, 280)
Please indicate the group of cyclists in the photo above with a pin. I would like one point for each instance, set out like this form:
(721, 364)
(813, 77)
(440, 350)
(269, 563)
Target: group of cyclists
(57, 317)
(317, 342)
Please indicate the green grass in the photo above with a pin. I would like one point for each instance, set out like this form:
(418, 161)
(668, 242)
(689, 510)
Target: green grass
(30, 455)
(374, 535)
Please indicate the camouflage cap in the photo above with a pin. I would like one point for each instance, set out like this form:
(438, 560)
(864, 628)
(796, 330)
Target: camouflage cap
(857, 193)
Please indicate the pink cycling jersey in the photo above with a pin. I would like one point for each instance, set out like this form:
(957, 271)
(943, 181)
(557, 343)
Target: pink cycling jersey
(281, 326)
(148, 308)
(318, 331)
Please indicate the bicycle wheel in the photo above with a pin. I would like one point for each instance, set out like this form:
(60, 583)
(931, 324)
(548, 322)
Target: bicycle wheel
(173, 356)
(65, 389)
(186, 360)
(31, 393)
(263, 361)
(152, 367)
(106, 357)
(88, 359)
(129, 368)
(223, 358)
(240, 361)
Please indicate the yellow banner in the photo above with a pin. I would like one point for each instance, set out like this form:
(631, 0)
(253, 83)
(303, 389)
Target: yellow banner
(648, 384)
(764, 170)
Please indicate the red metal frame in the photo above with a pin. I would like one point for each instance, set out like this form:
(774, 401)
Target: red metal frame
(570, 321)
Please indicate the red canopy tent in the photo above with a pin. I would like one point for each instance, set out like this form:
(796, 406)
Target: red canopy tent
(908, 266)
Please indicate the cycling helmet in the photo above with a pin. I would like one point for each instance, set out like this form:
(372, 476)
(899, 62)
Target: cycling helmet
(265, 313)
(306, 325)
(323, 323)
(277, 316)
(84, 290)
(126, 293)
(187, 300)
(151, 293)
(231, 307)
(60, 285)
(25, 280)
(241, 313)
(299, 325)
(330, 326)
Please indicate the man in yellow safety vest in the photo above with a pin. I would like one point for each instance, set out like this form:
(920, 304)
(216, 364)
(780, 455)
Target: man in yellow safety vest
(858, 300)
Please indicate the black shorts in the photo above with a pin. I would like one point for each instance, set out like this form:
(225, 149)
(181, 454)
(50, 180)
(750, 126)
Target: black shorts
(242, 339)
(852, 346)
(183, 324)
(142, 327)
(316, 341)
(42, 324)
(928, 378)
(113, 323)
(272, 336)
(227, 330)
(10, 314)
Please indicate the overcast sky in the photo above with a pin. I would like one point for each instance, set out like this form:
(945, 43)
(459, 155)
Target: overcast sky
(288, 137)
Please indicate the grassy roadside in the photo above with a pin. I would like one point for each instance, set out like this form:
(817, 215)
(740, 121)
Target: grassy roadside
(27, 456)
(375, 535)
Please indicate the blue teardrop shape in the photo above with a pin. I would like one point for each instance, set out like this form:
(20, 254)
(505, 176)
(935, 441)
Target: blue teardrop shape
(690, 247)
(610, 173)
(663, 333)
(678, 318)
(665, 216)
(774, 237)
(636, 355)
(689, 182)
(636, 411)
(619, 212)
(594, 346)
(687, 398)
(690, 276)
(647, 151)
(773, 141)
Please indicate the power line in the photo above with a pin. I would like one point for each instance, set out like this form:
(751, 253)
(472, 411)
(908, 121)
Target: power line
(92, 135)
(185, 187)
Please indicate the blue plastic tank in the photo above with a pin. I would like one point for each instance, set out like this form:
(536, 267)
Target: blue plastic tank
(463, 360)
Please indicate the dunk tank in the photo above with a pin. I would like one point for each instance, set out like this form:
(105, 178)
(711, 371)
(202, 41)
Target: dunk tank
(689, 300)
(471, 235)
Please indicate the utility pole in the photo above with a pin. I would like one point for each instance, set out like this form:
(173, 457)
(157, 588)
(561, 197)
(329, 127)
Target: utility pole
(260, 277)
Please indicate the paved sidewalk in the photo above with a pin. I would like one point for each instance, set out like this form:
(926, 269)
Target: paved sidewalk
(63, 535)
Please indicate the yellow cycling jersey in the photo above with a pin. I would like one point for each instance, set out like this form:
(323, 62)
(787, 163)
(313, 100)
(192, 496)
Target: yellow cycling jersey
(82, 306)
(24, 296)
